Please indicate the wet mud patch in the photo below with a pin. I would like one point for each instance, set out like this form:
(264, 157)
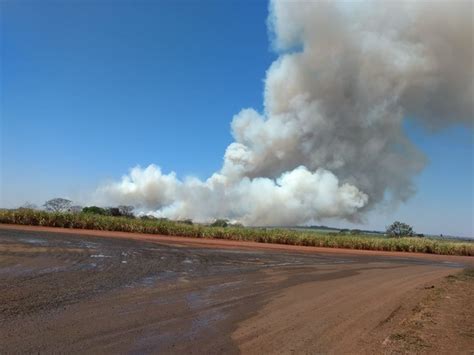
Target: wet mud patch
(76, 293)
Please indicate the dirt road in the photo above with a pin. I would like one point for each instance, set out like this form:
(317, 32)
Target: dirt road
(117, 293)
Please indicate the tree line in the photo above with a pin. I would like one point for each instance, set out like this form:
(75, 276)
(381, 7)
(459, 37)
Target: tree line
(395, 230)
(60, 204)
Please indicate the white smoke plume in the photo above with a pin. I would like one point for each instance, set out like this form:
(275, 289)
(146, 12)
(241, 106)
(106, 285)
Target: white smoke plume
(330, 141)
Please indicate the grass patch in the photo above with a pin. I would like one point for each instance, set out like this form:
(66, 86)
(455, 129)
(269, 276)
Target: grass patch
(261, 235)
(410, 340)
(465, 275)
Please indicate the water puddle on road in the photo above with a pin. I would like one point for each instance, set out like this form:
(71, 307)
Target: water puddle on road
(33, 241)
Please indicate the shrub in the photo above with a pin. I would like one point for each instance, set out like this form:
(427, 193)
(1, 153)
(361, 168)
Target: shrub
(220, 223)
(95, 210)
(113, 211)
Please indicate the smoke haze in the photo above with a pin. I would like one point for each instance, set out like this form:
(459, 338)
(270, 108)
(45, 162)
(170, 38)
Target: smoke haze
(330, 141)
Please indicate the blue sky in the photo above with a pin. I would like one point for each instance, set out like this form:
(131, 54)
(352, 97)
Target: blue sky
(91, 89)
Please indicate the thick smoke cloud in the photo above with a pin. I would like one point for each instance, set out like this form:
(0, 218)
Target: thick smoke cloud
(330, 142)
(295, 197)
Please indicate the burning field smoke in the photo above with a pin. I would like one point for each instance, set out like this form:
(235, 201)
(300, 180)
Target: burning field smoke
(330, 142)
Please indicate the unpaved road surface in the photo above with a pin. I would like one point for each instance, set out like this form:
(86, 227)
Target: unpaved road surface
(102, 292)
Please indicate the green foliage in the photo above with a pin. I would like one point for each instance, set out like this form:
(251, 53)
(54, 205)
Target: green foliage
(399, 229)
(261, 235)
(220, 223)
(95, 210)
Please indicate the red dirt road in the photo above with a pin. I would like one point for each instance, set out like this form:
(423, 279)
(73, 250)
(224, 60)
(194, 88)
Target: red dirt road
(108, 292)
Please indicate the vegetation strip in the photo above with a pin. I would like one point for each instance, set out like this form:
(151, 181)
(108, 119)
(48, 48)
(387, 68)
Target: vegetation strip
(261, 235)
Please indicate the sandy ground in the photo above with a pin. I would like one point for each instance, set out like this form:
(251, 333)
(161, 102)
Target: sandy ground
(103, 292)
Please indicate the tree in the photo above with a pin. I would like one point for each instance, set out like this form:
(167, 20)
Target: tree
(113, 211)
(220, 223)
(58, 204)
(399, 229)
(94, 210)
(126, 211)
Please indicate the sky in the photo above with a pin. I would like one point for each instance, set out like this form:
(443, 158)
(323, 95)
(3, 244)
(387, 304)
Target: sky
(90, 89)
